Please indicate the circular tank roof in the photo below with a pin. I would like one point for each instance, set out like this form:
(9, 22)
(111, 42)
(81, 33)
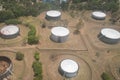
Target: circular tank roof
(9, 30)
(99, 14)
(110, 33)
(53, 13)
(69, 66)
(60, 31)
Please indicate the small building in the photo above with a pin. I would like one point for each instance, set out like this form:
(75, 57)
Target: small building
(9, 32)
(53, 15)
(59, 34)
(109, 35)
(5, 67)
(98, 15)
(68, 68)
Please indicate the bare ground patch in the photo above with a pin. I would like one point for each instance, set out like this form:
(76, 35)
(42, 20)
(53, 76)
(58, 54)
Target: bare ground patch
(18, 41)
(18, 66)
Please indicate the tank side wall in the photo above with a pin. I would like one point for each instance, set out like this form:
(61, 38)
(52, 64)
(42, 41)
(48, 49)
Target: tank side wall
(97, 18)
(10, 36)
(58, 39)
(52, 18)
(108, 40)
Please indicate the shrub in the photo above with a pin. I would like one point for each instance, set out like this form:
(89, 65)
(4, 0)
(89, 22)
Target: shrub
(106, 76)
(32, 30)
(12, 21)
(37, 68)
(33, 39)
(36, 56)
(19, 56)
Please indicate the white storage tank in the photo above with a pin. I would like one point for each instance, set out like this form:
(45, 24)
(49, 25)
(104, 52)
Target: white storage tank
(59, 34)
(98, 15)
(10, 31)
(109, 35)
(53, 15)
(5, 67)
(68, 68)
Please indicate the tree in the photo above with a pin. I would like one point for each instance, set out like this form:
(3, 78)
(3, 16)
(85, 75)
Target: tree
(19, 11)
(32, 10)
(43, 6)
(5, 15)
(113, 6)
(104, 5)
(64, 6)
(78, 1)
(9, 4)
(12, 21)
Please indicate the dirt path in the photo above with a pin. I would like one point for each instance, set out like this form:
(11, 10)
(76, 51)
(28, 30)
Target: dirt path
(83, 45)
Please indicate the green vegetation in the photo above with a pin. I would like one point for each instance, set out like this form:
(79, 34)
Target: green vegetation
(36, 56)
(76, 1)
(64, 6)
(16, 8)
(19, 56)
(32, 38)
(13, 21)
(106, 76)
(104, 5)
(37, 67)
(111, 5)
(5, 15)
(32, 30)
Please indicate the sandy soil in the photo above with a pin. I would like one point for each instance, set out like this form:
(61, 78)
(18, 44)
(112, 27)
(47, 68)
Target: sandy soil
(18, 66)
(18, 41)
(55, 57)
(92, 55)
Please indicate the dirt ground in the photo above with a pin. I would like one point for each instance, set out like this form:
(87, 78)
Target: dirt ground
(93, 56)
(15, 41)
(18, 66)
